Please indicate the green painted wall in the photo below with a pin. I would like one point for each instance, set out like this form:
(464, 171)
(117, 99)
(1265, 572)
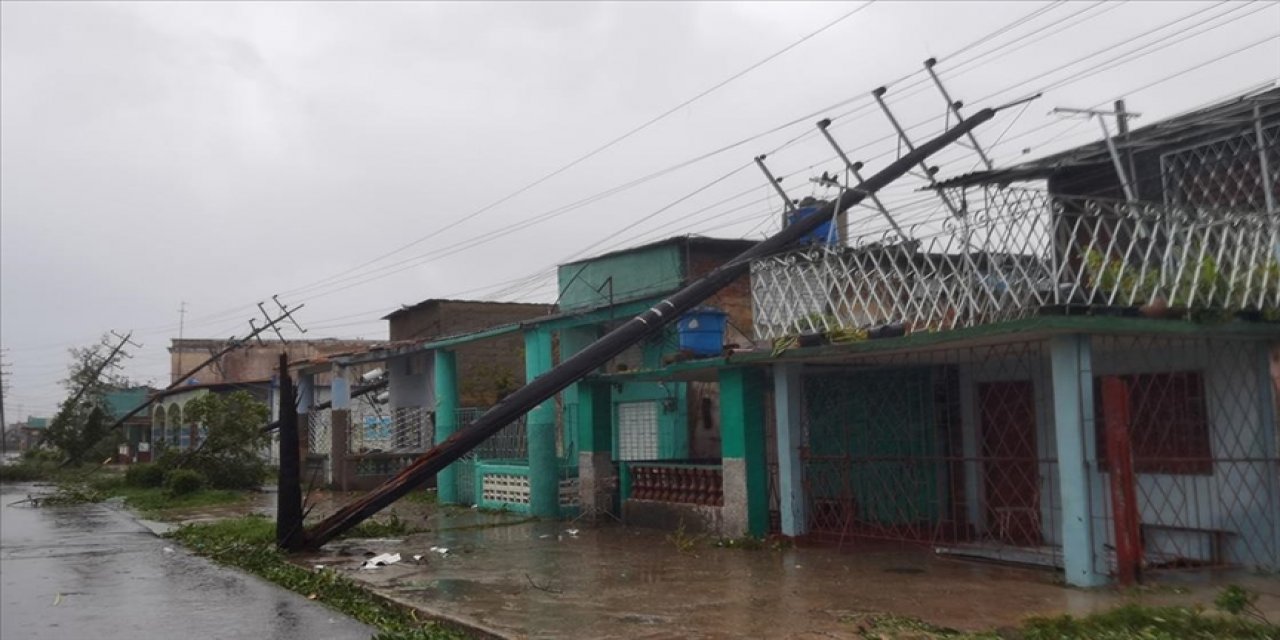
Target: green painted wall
(635, 274)
(742, 433)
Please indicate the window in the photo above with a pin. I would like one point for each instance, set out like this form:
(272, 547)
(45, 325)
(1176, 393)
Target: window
(1168, 423)
(638, 431)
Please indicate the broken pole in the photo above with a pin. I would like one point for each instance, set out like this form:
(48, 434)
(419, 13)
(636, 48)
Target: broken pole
(289, 498)
(596, 354)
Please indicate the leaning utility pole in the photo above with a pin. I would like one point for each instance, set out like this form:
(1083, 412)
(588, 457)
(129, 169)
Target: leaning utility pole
(4, 391)
(233, 344)
(542, 388)
(106, 362)
(289, 501)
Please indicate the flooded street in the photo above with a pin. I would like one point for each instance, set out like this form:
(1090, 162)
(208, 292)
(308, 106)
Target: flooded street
(92, 571)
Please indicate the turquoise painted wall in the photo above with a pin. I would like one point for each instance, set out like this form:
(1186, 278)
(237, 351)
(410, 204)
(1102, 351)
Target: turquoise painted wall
(635, 274)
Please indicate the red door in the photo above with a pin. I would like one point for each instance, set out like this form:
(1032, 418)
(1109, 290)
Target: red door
(1011, 471)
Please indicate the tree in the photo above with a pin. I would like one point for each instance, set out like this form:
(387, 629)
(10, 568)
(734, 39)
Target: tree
(81, 428)
(230, 451)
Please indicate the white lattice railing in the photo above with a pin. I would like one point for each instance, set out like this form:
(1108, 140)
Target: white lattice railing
(377, 428)
(1017, 251)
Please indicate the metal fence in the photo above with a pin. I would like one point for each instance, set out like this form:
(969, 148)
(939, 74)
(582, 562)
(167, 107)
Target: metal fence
(1227, 171)
(946, 447)
(1016, 252)
(956, 448)
(1203, 449)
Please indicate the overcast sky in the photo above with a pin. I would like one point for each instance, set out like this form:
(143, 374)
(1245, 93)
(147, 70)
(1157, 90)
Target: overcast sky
(215, 154)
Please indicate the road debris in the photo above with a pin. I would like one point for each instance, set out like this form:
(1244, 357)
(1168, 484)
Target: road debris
(381, 561)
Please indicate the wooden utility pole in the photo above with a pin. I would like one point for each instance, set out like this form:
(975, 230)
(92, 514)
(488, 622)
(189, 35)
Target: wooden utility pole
(289, 497)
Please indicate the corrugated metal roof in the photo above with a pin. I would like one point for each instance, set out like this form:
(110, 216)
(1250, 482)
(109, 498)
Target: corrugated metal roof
(1166, 133)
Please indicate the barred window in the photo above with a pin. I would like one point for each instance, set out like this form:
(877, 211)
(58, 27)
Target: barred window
(1168, 423)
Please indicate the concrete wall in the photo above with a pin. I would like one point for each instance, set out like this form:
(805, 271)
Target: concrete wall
(250, 362)
(487, 369)
(634, 274)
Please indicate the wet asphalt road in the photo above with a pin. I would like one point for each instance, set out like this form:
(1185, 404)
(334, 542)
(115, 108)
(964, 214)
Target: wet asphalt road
(93, 572)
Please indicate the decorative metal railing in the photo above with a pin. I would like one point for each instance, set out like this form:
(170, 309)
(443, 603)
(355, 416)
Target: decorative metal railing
(675, 482)
(1017, 252)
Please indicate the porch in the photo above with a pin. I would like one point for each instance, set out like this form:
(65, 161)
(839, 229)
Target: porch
(1074, 444)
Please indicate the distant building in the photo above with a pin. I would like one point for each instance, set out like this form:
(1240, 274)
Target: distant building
(171, 424)
(487, 370)
(254, 361)
(136, 444)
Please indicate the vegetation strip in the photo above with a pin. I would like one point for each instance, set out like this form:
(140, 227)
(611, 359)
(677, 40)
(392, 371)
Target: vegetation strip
(248, 543)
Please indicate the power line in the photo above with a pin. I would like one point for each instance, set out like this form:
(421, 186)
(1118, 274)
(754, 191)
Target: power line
(616, 140)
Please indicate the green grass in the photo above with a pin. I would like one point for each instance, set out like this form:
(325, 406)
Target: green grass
(421, 496)
(390, 527)
(156, 500)
(93, 484)
(1150, 623)
(1128, 622)
(248, 543)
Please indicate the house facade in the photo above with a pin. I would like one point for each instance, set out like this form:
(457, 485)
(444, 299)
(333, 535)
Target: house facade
(1076, 376)
(370, 411)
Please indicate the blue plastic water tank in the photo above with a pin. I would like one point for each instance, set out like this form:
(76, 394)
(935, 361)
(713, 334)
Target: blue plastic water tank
(821, 235)
(701, 331)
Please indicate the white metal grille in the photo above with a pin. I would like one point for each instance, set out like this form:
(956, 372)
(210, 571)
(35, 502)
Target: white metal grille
(638, 430)
(405, 429)
(318, 429)
(1225, 173)
(1017, 251)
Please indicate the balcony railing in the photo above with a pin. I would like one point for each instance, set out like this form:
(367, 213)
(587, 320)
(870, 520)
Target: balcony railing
(679, 482)
(1017, 252)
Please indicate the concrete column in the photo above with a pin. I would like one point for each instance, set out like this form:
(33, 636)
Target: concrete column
(596, 480)
(787, 404)
(1072, 370)
(544, 476)
(746, 500)
(446, 391)
(340, 427)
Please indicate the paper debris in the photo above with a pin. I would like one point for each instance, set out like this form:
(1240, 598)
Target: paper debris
(381, 561)
(168, 549)
(572, 532)
(444, 551)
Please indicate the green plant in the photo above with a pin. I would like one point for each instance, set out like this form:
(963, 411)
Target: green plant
(28, 471)
(388, 528)
(1111, 277)
(70, 494)
(1238, 601)
(144, 475)
(248, 543)
(230, 454)
(1147, 623)
(684, 541)
(181, 482)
